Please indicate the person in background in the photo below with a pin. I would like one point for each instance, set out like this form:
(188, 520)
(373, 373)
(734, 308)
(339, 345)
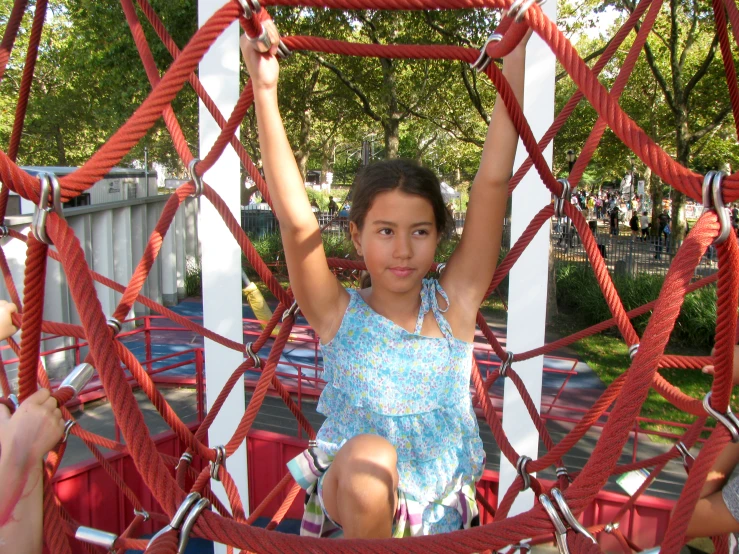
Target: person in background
(644, 220)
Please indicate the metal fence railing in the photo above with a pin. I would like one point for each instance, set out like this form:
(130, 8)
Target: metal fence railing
(620, 253)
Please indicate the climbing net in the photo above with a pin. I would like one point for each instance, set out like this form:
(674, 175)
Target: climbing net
(167, 477)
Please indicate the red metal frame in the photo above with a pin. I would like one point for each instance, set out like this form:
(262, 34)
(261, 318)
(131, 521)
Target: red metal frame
(84, 488)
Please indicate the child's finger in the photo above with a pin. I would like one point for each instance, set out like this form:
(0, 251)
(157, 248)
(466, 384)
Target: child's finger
(709, 369)
(39, 397)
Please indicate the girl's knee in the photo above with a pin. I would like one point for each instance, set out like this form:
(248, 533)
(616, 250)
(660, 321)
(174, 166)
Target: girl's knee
(366, 471)
(369, 448)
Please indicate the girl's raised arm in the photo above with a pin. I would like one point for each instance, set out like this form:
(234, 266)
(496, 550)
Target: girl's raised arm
(470, 269)
(320, 296)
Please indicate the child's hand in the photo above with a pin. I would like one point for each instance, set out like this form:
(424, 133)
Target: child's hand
(711, 370)
(7, 329)
(33, 429)
(262, 67)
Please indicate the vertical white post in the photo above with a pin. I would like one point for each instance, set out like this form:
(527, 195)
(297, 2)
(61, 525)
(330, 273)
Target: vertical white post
(221, 257)
(527, 297)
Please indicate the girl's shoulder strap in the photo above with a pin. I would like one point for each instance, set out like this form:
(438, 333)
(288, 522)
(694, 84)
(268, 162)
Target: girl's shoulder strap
(430, 301)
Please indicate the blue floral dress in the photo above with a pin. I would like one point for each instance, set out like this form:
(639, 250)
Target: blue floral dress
(413, 390)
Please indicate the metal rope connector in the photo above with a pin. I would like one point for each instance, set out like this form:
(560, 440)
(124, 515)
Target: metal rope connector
(562, 472)
(49, 186)
(115, 325)
(685, 453)
(184, 519)
(4, 232)
(186, 457)
(713, 200)
(559, 527)
(610, 527)
(440, 268)
(250, 352)
(564, 198)
(78, 377)
(522, 473)
(292, 310)
(220, 461)
(143, 513)
(483, 60)
(96, 537)
(250, 7)
(728, 419)
(519, 7)
(196, 179)
(633, 349)
(503, 369)
(67, 428)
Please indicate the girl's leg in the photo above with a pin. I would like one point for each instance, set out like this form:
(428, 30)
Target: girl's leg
(360, 488)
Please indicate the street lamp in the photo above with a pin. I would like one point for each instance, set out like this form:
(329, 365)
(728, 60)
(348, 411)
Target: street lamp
(571, 159)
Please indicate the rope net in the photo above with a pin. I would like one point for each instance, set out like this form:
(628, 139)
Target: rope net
(166, 479)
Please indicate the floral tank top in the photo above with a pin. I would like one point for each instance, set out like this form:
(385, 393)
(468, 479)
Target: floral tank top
(410, 389)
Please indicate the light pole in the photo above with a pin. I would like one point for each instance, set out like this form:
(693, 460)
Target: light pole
(571, 159)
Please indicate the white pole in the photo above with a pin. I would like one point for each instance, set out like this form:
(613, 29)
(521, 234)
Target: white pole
(527, 297)
(221, 257)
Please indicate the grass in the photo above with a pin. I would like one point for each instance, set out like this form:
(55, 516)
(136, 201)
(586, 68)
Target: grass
(608, 357)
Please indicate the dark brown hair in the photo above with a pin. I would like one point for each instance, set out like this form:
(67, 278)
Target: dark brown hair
(398, 174)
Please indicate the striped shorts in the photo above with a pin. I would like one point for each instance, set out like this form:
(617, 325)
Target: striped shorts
(458, 510)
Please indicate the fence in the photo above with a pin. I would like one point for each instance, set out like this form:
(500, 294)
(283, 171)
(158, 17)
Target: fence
(621, 254)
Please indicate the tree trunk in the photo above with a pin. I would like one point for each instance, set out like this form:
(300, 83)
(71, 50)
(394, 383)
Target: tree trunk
(302, 154)
(392, 137)
(61, 154)
(655, 188)
(551, 287)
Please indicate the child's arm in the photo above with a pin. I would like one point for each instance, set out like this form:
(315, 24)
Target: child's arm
(25, 438)
(470, 269)
(320, 296)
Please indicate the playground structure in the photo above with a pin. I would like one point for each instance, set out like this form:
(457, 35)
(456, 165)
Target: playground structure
(169, 480)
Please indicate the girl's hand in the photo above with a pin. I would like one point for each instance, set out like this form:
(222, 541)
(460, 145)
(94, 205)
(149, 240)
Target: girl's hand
(7, 329)
(262, 66)
(711, 370)
(33, 429)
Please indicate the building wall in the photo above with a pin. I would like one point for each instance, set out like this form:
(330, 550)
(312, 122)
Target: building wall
(113, 237)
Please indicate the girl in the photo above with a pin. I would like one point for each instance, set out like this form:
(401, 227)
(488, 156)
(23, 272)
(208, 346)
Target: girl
(400, 451)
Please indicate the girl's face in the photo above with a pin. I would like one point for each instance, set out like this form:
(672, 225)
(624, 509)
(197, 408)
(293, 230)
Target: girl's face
(398, 240)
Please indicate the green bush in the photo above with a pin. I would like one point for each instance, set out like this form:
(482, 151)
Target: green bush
(579, 295)
(193, 277)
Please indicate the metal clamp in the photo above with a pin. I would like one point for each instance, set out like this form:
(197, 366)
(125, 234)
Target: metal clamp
(49, 186)
(96, 537)
(440, 268)
(685, 453)
(564, 198)
(562, 472)
(186, 457)
(524, 546)
(184, 518)
(250, 7)
(292, 310)
(67, 428)
(483, 60)
(143, 513)
(189, 522)
(4, 232)
(220, 461)
(503, 369)
(610, 527)
(312, 443)
(633, 349)
(568, 515)
(560, 531)
(115, 325)
(728, 419)
(249, 352)
(519, 7)
(713, 200)
(196, 179)
(78, 377)
(522, 473)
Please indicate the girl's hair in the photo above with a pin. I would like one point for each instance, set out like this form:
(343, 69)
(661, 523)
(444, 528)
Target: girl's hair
(398, 174)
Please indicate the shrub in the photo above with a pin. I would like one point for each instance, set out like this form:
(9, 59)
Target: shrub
(579, 295)
(193, 277)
